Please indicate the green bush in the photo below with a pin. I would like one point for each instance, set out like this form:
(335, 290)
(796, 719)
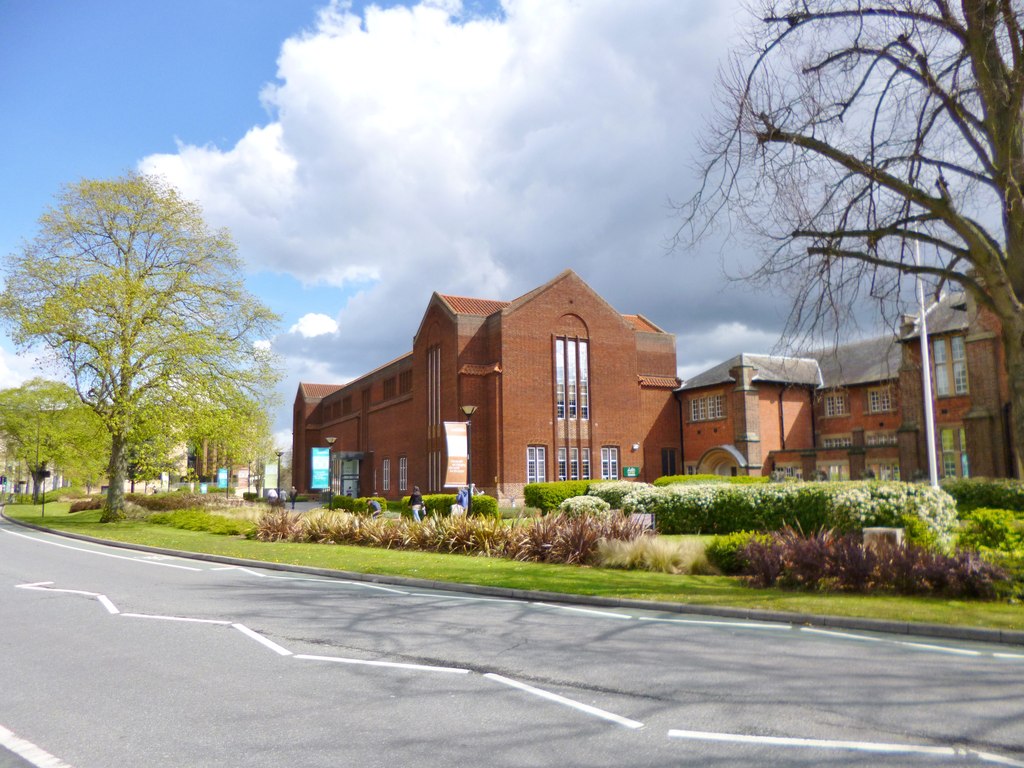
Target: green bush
(998, 529)
(547, 496)
(198, 520)
(340, 501)
(726, 552)
(974, 493)
(167, 502)
(361, 504)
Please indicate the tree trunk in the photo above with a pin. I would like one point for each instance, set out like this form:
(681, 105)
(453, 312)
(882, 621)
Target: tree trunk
(117, 471)
(1013, 344)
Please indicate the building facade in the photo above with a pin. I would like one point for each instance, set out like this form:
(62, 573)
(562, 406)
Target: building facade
(857, 410)
(564, 386)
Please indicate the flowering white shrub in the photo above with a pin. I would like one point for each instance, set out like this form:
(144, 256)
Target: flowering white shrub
(583, 506)
(724, 508)
(613, 491)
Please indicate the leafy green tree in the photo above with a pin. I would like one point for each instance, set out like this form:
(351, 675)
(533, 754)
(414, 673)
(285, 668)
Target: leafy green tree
(141, 303)
(853, 131)
(44, 424)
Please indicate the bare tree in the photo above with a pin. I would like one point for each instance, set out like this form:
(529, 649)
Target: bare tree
(854, 131)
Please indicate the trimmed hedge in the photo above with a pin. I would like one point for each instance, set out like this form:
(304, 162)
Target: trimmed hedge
(737, 480)
(848, 506)
(197, 520)
(976, 493)
(547, 496)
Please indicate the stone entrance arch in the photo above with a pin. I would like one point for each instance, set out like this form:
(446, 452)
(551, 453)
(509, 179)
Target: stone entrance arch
(721, 460)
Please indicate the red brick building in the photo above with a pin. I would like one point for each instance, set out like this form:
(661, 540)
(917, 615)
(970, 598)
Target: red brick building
(858, 410)
(565, 387)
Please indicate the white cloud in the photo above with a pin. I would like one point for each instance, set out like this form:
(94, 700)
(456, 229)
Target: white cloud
(415, 149)
(706, 348)
(16, 369)
(314, 324)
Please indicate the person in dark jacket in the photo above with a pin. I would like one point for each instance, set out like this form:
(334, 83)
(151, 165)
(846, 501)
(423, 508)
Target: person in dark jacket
(416, 503)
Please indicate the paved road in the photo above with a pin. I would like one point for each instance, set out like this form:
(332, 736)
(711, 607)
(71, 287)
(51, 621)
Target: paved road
(110, 657)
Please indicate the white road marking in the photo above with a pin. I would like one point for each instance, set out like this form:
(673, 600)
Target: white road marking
(847, 635)
(588, 611)
(1009, 655)
(605, 715)
(391, 664)
(29, 751)
(786, 741)
(101, 554)
(176, 618)
(111, 608)
(716, 623)
(261, 639)
(939, 648)
(320, 581)
(40, 586)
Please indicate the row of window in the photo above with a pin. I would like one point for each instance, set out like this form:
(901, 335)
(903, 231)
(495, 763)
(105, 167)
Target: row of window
(573, 463)
(870, 439)
(572, 379)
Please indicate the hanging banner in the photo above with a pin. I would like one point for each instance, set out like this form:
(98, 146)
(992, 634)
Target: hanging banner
(320, 464)
(455, 433)
(222, 477)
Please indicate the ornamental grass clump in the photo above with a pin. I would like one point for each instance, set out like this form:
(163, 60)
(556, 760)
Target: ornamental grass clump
(651, 553)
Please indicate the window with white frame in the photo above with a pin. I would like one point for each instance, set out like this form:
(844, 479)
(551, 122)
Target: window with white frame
(836, 441)
(885, 470)
(536, 464)
(585, 461)
(790, 470)
(562, 465)
(707, 407)
(949, 361)
(879, 399)
(837, 404)
(609, 463)
(880, 438)
(574, 463)
(836, 470)
(403, 473)
(385, 471)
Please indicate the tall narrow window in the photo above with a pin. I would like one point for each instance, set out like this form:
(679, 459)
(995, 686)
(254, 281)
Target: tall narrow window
(434, 385)
(584, 382)
(954, 452)
(403, 473)
(574, 463)
(586, 464)
(561, 464)
(609, 463)
(572, 379)
(560, 377)
(536, 464)
(385, 470)
(949, 359)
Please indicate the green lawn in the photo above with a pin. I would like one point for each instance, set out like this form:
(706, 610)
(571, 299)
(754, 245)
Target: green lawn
(703, 590)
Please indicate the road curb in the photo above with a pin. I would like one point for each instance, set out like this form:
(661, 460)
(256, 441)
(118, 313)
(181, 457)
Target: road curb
(938, 631)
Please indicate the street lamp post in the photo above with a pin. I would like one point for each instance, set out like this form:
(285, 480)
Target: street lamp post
(469, 410)
(279, 473)
(330, 471)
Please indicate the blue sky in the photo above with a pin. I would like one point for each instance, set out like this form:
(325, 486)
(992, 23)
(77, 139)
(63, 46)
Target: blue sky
(365, 156)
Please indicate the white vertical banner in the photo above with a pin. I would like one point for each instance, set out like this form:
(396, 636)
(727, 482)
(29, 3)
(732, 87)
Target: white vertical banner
(455, 435)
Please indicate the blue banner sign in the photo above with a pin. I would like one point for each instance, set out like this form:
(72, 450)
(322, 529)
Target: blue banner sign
(320, 463)
(222, 478)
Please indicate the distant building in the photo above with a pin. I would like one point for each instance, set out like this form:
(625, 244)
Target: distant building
(565, 387)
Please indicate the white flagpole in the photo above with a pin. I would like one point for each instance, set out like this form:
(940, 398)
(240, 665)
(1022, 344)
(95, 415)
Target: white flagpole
(926, 377)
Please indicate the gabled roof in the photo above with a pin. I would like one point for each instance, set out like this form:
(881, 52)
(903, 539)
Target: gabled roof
(774, 368)
(462, 305)
(317, 391)
(860, 362)
(944, 316)
(641, 323)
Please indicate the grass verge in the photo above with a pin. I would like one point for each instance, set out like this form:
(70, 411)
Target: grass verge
(697, 590)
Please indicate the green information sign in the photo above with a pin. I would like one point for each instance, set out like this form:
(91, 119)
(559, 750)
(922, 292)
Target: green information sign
(631, 471)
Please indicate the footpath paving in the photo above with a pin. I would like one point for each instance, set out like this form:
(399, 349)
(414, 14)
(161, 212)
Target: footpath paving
(909, 628)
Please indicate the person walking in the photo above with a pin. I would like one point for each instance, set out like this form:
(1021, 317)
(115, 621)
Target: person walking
(416, 503)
